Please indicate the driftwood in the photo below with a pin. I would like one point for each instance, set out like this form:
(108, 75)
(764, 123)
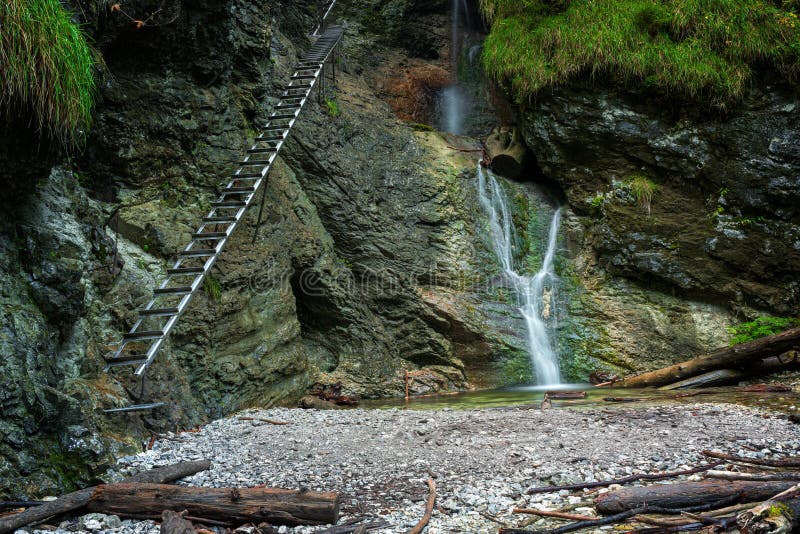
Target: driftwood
(234, 506)
(616, 518)
(789, 461)
(685, 494)
(557, 515)
(721, 377)
(623, 399)
(80, 498)
(262, 420)
(419, 527)
(717, 377)
(13, 505)
(755, 477)
(624, 480)
(565, 395)
(728, 357)
(772, 517)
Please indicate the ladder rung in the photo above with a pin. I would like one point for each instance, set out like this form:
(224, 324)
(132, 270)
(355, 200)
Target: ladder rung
(275, 128)
(143, 335)
(216, 220)
(237, 190)
(158, 312)
(136, 407)
(299, 86)
(198, 252)
(282, 117)
(303, 77)
(180, 290)
(120, 360)
(261, 162)
(181, 271)
(229, 204)
(209, 235)
(247, 175)
(287, 106)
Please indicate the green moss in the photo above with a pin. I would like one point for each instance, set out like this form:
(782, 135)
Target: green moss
(46, 67)
(68, 468)
(516, 369)
(704, 50)
(762, 327)
(419, 127)
(332, 107)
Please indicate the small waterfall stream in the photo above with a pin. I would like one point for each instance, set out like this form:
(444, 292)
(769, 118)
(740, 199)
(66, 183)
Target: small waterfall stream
(535, 294)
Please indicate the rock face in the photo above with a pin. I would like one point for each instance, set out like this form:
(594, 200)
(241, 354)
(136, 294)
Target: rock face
(364, 267)
(720, 242)
(372, 258)
(724, 218)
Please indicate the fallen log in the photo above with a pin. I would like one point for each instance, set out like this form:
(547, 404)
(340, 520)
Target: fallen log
(727, 357)
(557, 515)
(720, 377)
(616, 518)
(623, 399)
(685, 494)
(717, 377)
(419, 527)
(235, 506)
(789, 461)
(79, 499)
(624, 480)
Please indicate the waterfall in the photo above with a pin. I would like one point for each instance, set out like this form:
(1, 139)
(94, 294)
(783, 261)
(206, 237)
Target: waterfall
(451, 99)
(535, 294)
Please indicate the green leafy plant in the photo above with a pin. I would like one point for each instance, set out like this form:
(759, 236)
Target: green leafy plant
(643, 190)
(46, 68)
(212, 288)
(761, 327)
(332, 107)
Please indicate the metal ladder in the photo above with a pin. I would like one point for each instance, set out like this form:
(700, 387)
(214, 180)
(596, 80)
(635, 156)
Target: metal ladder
(141, 344)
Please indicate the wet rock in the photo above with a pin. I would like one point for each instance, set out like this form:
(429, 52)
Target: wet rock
(507, 152)
(726, 185)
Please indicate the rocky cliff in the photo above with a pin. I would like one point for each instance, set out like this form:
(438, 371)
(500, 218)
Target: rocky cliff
(364, 267)
(372, 258)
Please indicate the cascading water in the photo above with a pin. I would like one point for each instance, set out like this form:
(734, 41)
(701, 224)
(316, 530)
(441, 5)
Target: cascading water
(451, 99)
(535, 294)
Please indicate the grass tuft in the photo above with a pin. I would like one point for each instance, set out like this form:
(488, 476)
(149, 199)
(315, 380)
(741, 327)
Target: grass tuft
(46, 68)
(701, 49)
(643, 190)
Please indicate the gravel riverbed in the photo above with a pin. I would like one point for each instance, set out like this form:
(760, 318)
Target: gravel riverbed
(482, 460)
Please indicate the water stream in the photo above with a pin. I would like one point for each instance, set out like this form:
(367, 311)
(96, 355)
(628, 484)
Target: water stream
(535, 294)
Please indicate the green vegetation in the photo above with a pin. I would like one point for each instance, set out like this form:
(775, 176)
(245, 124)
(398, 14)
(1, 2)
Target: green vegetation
(701, 49)
(419, 127)
(212, 288)
(333, 107)
(643, 190)
(46, 67)
(761, 327)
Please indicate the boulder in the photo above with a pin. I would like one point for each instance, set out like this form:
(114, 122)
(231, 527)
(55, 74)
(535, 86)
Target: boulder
(507, 151)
